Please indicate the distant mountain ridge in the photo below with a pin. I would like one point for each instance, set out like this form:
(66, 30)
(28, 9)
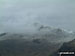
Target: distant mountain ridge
(46, 32)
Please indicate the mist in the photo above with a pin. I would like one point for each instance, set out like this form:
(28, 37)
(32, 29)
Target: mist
(20, 15)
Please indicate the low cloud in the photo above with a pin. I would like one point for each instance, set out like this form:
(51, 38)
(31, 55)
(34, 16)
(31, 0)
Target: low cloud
(21, 15)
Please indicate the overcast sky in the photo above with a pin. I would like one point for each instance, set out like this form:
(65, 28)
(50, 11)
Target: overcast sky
(22, 14)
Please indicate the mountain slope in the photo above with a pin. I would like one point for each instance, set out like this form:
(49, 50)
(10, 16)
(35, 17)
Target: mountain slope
(43, 42)
(23, 47)
(66, 47)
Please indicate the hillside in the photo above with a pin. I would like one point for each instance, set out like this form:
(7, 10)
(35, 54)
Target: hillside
(66, 47)
(23, 47)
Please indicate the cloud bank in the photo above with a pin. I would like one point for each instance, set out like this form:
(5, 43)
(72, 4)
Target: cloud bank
(20, 15)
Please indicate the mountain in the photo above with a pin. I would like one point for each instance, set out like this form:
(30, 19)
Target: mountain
(2, 34)
(45, 41)
(66, 47)
(24, 47)
(54, 34)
